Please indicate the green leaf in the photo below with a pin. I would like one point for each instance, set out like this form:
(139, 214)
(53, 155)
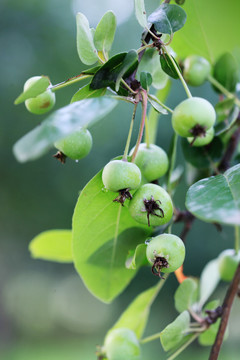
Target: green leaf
(225, 71)
(217, 199)
(34, 90)
(105, 32)
(103, 233)
(208, 281)
(140, 12)
(168, 66)
(86, 92)
(174, 333)
(137, 257)
(168, 18)
(198, 36)
(145, 79)
(129, 64)
(202, 157)
(85, 45)
(60, 124)
(186, 294)
(52, 245)
(135, 317)
(155, 104)
(150, 63)
(115, 68)
(227, 114)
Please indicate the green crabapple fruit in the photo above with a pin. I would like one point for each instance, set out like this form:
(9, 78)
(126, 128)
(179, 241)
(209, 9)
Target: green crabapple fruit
(166, 253)
(193, 117)
(122, 344)
(41, 103)
(196, 70)
(202, 140)
(76, 145)
(151, 205)
(118, 175)
(152, 161)
(228, 262)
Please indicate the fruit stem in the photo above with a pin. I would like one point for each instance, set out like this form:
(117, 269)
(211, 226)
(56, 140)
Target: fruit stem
(237, 239)
(129, 134)
(144, 47)
(150, 338)
(140, 134)
(184, 346)
(68, 82)
(172, 162)
(189, 95)
(146, 137)
(223, 90)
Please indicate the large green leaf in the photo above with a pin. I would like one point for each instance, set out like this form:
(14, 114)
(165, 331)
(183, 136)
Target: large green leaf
(85, 45)
(105, 32)
(103, 233)
(136, 315)
(130, 62)
(137, 257)
(140, 12)
(205, 19)
(34, 90)
(168, 18)
(60, 124)
(52, 245)
(217, 199)
(174, 333)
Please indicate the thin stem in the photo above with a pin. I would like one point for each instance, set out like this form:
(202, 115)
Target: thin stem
(128, 87)
(124, 98)
(189, 95)
(237, 239)
(147, 137)
(227, 305)
(68, 82)
(160, 103)
(129, 134)
(144, 113)
(144, 47)
(183, 347)
(223, 90)
(150, 338)
(172, 161)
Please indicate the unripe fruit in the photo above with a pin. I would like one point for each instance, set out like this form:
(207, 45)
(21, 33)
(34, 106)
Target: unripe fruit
(196, 70)
(76, 145)
(193, 116)
(151, 205)
(152, 161)
(169, 247)
(118, 175)
(41, 103)
(202, 140)
(228, 262)
(122, 344)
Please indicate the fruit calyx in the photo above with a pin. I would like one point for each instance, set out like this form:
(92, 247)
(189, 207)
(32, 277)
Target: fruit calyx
(124, 194)
(159, 263)
(150, 207)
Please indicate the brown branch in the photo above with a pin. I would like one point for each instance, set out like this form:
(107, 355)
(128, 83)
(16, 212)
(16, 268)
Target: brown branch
(187, 218)
(226, 307)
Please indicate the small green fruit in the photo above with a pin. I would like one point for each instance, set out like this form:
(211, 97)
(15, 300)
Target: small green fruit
(193, 117)
(152, 161)
(228, 262)
(119, 175)
(151, 205)
(202, 140)
(76, 145)
(169, 247)
(196, 70)
(122, 344)
(41, 103)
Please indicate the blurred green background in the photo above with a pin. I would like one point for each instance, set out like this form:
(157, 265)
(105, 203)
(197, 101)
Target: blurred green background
(45, 310)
